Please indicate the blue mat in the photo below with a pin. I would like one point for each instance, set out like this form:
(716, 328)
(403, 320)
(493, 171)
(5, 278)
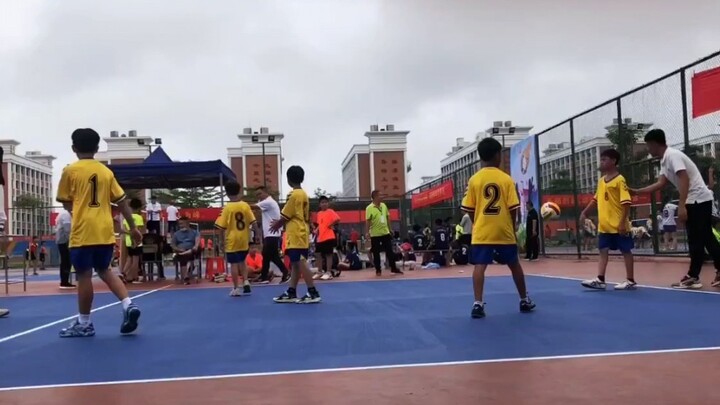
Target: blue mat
(203, 332)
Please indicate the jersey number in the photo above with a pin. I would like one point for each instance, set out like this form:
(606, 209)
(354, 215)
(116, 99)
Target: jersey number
(94, 191)
(442, 237)
(491, 192)
(239, 221)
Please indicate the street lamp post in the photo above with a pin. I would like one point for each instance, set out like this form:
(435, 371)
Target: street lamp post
(262, 142)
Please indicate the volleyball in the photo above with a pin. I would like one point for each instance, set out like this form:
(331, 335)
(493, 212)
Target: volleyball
(549, 210)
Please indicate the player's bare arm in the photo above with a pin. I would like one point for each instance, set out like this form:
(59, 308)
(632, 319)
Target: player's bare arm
(591, 205)
(683, 190)
(127, 214)
(277, 224)
(658, 185)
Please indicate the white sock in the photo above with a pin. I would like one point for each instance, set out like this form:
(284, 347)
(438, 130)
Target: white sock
(479, 303)
(84, 319)
(126, 303)
(246, 282)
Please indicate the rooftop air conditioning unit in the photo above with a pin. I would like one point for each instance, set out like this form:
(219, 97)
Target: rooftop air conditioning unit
(497, 124)
(113, 134)
(615, 121)
(132, 134)
(508, 123)
(390, 127)
(247, 131)
(628, 120)
(264, 130)
(373, 128)
(123, 136)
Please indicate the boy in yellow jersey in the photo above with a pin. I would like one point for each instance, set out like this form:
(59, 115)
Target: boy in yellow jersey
(237, 221)
(613, 203)
(87, 189)
(295, 216)
(492, 200)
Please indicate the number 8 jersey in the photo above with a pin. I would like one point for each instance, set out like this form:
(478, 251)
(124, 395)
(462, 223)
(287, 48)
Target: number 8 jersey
(236, 220)
(90, 187)
(491, 198)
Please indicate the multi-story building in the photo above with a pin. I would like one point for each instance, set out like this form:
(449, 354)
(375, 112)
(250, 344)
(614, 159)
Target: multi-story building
(709, 145)
(125, 149)
(380, 164)
(28, 190)
(555, 159)
(258, 159)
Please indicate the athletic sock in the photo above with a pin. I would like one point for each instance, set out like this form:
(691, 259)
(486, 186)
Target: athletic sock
(601, 278)
(126, 303)
(478, 303)
(84, 319)
(246, 282)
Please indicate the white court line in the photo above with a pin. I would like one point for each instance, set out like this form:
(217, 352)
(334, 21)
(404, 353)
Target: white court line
(69, 318)
(654, 287)
(368, 368)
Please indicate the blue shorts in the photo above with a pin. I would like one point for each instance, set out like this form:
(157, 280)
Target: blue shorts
(487, 254)
(87, 258)
(670, 228)
(614, 241)
(236, 257)
(296, 255)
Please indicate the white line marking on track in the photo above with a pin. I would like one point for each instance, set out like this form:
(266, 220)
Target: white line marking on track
(69, 318)
(369, 368)
(654, 287)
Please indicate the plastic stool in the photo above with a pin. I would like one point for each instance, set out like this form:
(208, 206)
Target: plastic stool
(213, 266)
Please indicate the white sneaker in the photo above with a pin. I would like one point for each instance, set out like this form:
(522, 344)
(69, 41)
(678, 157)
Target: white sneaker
(236, 292)
(626, 285)
(317, 276)
(594, 284)
(326, 276)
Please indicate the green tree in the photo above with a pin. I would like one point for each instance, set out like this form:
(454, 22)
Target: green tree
(37, 210)
(200, 197)
(319, 192)
(634, 166)
(563, 184)
(28, 201)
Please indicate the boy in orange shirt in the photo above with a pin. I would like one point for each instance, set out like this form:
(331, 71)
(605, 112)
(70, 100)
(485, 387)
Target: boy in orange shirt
(327, 218)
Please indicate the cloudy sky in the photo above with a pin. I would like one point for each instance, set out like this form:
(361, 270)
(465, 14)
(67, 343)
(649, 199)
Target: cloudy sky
(196, 72)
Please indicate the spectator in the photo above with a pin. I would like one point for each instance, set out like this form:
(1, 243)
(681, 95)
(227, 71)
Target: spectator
(186, 244)
(254, 263)
(154, 210)
(62, 239)
(172, 217)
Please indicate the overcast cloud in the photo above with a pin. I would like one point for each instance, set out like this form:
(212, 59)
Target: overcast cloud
(196, 72)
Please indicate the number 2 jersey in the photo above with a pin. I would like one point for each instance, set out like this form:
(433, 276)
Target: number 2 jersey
(236, 220)
(491, 199)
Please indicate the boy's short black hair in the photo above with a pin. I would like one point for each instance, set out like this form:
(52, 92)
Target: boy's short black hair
(488, 149)
(85, 140)
(323, 198)
(657, 136)
(438, 222)
(295, 174)
(611, 154)
(136, 204)
(232, 188)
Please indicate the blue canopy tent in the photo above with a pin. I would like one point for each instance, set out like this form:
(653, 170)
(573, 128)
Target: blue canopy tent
(159, 171)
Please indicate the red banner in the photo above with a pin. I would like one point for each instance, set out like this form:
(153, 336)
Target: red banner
(346, 217)
(567, 200)
(706, 92)
(434, 195)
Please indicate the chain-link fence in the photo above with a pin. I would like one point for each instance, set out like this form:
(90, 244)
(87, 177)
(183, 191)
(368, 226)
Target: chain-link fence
(570, 152)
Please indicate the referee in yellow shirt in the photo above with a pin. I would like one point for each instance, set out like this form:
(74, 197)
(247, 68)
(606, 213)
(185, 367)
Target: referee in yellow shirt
(377, 229)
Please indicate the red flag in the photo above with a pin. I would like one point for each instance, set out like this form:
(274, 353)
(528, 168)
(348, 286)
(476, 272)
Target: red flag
(706, 92)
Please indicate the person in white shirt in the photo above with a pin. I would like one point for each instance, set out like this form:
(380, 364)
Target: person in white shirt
(694, 207)
(172, 217)
(153, 211)
(62, 238)
(271, 240)
(669, 226)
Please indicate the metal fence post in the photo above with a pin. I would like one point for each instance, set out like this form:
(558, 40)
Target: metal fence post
(573, 168)
(538, 168)
(683, 94)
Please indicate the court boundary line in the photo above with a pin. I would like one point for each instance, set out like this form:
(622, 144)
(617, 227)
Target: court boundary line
(69, 318)
(654, 287)
(364, 368)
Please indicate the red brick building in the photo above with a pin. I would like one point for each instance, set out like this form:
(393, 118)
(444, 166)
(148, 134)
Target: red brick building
(258, 160)
(379, 164)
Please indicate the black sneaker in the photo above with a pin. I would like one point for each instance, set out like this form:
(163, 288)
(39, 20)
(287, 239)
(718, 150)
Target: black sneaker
(130, 319)
(397, 271)
(286, 298)
(310, 298)
(285, 278)
(526, 305)
(247, 290)
(478, 310)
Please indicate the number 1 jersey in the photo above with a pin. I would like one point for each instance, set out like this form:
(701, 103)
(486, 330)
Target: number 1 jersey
(236, 219)
(492, 199)
(90, 187)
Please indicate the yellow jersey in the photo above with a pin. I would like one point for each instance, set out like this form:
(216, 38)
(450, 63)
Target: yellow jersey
(236, 219)
(491, 198)
(297, 214)
(139, 221)
(611, 195)
(90, 187)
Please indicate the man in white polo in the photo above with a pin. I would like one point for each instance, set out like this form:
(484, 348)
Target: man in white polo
(695, 206)
(271, 240)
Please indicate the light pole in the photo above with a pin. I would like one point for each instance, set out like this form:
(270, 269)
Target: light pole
(262, 142)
